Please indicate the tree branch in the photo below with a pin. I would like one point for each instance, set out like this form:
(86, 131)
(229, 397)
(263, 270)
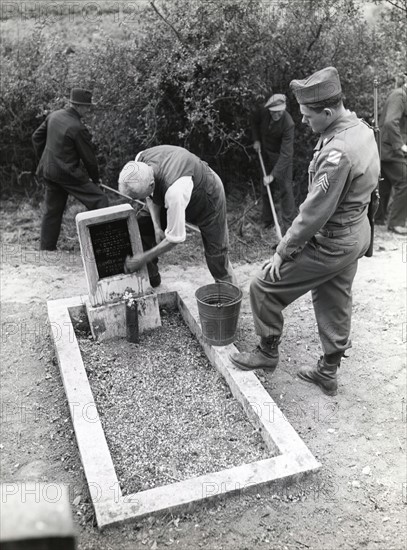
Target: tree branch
(397, 6)
(316, 36)
(174, 30)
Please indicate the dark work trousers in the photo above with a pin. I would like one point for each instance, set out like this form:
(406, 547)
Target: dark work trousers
(394, 177)
(283, 191)
(56, 195)
(384, 192)
(327, 267)
(147, 235)
(215, 234)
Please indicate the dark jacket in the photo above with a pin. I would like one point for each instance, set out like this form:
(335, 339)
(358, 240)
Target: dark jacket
(64, 147)
(277, 142)
(393, 126)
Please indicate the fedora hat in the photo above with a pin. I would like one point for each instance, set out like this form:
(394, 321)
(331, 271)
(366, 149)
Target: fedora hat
(79, 96)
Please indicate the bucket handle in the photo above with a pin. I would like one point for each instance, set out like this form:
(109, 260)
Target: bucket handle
(234, 300)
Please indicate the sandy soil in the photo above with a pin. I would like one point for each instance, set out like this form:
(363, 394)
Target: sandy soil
(356, 500)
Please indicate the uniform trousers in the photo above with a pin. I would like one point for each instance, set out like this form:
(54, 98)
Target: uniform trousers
(326, 266)
(56, 195)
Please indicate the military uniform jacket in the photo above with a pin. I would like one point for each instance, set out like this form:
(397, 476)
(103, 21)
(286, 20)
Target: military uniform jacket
(393, 126)
(342, 175)
(277, 142)
(64, 147)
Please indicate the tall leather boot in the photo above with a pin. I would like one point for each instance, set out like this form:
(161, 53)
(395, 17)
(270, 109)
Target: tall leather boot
(265, 356)
(324, 374)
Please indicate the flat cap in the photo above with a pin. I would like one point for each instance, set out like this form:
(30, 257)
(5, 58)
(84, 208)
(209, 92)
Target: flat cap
(277, 102)
(320, 86)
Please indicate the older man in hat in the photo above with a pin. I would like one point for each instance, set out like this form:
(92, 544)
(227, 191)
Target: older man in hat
(321, 249)
(178, 187)
(273, 136)
(67, 161)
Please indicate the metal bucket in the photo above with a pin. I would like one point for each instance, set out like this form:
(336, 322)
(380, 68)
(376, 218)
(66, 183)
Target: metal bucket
(219, 307)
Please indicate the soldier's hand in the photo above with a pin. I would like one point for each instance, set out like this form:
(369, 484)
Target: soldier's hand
(404, 148)
(268, 179)
(257, 146)
(272, 267)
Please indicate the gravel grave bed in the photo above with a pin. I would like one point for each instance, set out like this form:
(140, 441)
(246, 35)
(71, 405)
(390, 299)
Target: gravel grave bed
(167, 414)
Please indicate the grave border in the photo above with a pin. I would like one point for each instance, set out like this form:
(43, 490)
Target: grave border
(111, 507)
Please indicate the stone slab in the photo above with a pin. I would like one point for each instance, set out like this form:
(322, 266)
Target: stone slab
(36, 515)
(95, 455)
(293, 461)
(110, 289)
(109, 320)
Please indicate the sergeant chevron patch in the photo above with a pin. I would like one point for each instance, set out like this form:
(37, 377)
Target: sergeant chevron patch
(323, 183)
(334, 157)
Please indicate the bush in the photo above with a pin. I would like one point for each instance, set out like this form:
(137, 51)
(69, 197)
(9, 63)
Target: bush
(189, 72)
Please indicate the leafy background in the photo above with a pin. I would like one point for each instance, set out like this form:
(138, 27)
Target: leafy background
(185, 72)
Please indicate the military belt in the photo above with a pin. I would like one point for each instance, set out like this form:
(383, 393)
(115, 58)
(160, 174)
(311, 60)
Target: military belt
(335, 232)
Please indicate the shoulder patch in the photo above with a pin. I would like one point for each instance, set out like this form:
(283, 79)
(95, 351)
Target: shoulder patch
(323, 182)
(334, 156)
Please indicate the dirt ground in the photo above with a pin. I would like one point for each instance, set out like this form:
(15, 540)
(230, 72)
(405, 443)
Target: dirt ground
(358, 497)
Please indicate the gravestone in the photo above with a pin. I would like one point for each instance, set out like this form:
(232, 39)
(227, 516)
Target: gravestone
(107, 236)
(35, 516)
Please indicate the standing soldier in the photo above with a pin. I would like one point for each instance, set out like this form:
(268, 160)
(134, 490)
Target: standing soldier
(67, 160)
(273, 136)
(393, 130)
(321, 249)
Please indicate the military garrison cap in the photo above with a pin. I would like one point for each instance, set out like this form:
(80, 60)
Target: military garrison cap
(320, 86)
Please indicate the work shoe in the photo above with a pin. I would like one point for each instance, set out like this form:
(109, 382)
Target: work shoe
(265, 356)
(399, 229)
(155, 280)
(323, 375)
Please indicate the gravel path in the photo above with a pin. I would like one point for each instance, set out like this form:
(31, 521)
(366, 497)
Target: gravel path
(167, 413)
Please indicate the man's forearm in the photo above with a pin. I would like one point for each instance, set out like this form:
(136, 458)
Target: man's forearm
(161, 248)
(136, 262)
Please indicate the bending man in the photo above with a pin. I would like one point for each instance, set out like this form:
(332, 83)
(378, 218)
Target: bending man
(273, 135)
(178, 187)
(321, 249)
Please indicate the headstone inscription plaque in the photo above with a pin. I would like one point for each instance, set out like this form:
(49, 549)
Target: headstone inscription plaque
(111, 246)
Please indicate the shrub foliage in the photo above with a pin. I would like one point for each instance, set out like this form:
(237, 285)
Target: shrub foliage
(189, 72)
